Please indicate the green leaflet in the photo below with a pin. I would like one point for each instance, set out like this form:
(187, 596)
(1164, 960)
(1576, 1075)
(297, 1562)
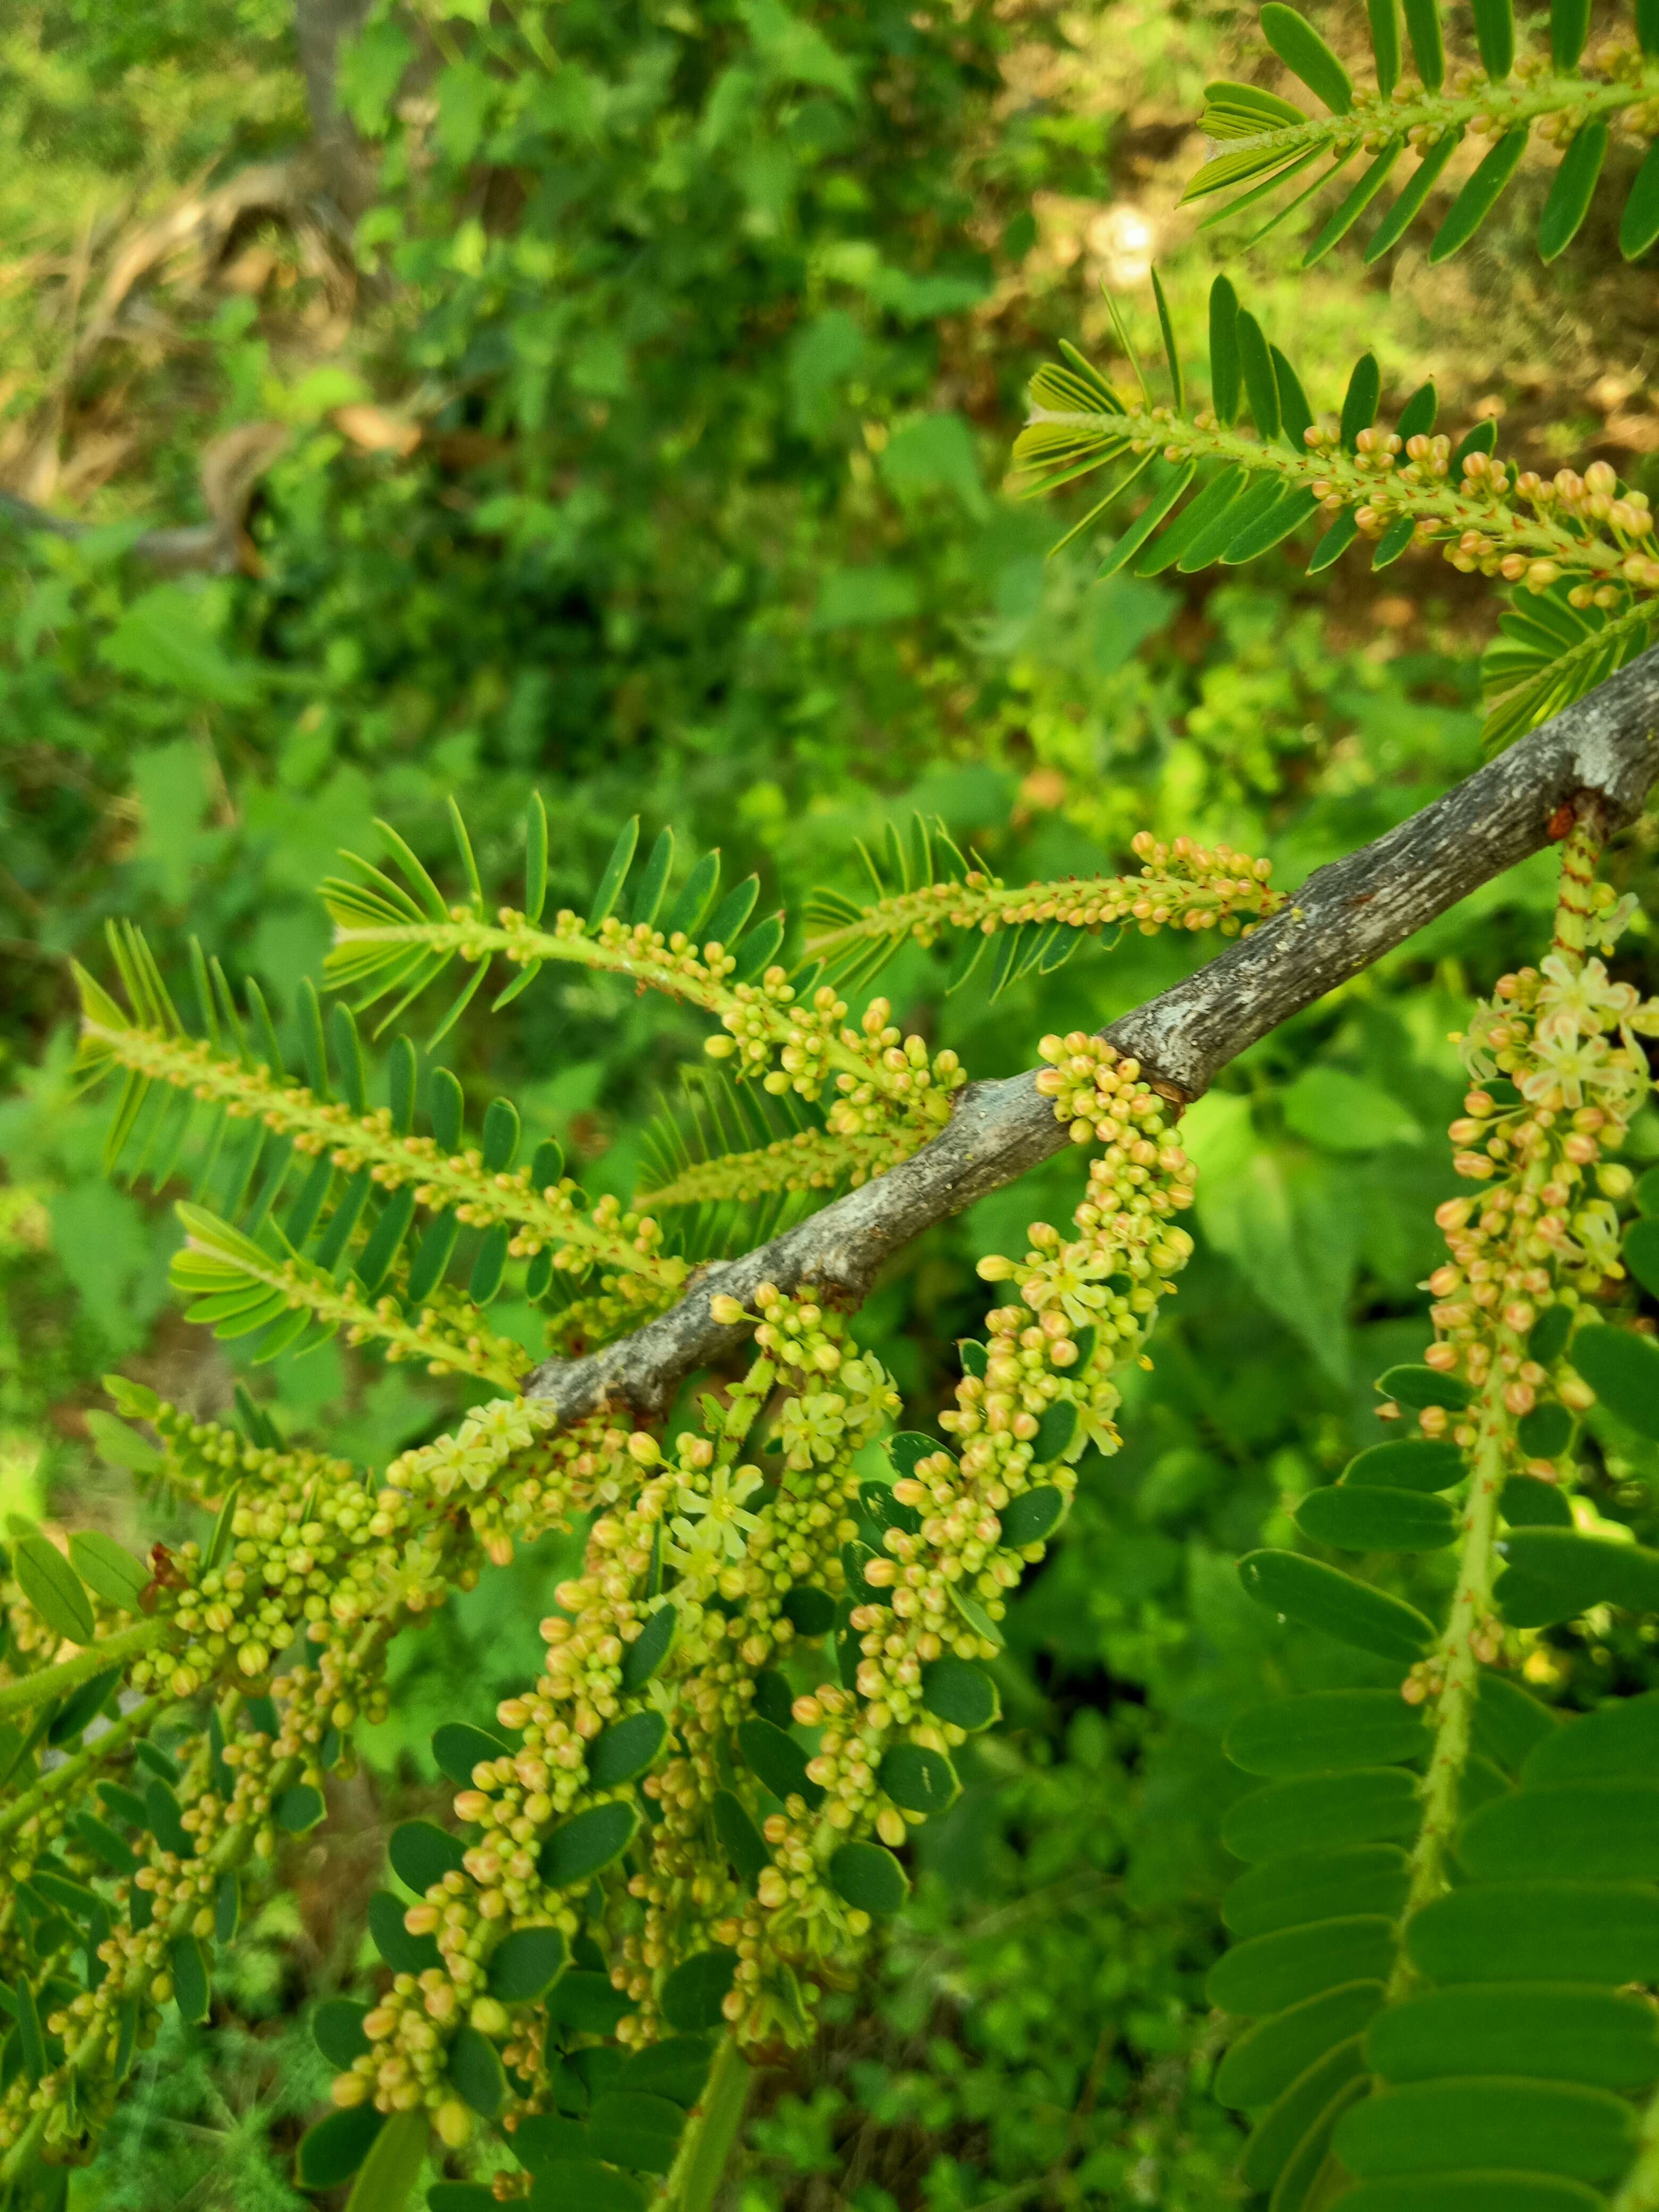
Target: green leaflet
(393, 2164)
(108, 1568)
(1528, 1503)
(1640, 224)
(1418, 1387)
(1261, 382)
(1291, 506)
(1268, 1972)
(1334, 544)
(1623, 1370)
(1317, 1596)
(584, 2185)
(1384, 22)
(1569, 28)
(1353, 205)
(1555, 1574)
(1267, 2058)
(1428, 47)
(676, 2069)
(692, 1994)
(645, 1657)
(403, 1953)
(476, 2072)
(740, 1838)
(1413, 1463)
(633, 2128)
(586, 2002)
(1494, 34)
(779, 1762)
(1619, 1742)
(1547, 1432)
(1540, 1931)
(422, 1853)
(1034, 1516)
(919, 1780)
(869, 1877)
(1305, 54)
(1226, 382)
(1510, 1724)
(1307, 1886)
(332, 2151)
(586, 1844)
(1296, 2112)
(1491, 2191)
(1295, 2189)
(1479, 197)
(1148, 520)
(1317, 1812)
(1572, 191)
(458, 1748)
(1194, 518)
(956, 1691)
(626, 1749)
(524, 1965)
(337, 2028)
(1322, 1731)
(1405, 210)
(1557, 2031)
(1590, 1828)
(1361, 1517)
(53, 1589)
(1427, 2127)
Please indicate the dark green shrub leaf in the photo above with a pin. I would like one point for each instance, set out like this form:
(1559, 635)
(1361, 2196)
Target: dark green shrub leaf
(1418, 1387)
(458, 1748)
(1547, 1339)
(975, 1616)
(1577, 1571)
(910, 1447)
(1325, 1730)
(585, 2000)
(1553, 2030)
(1413, 1463)
(1271, 1972)
(1356, 1517)
(477, 2073)
(1491, 2191)
(165, 1820)
(1547, 1430)
(1317, 1596)
(1308, 1886)
(629, 2127)
(71, 1896)
(676, 2068)
(337, 2028)
(775, 1700)
(625, 1750)
(1540, 1931)
(403, 1953)
(740, 1838)
(1315, 1812)
(543, 2139)
(1619, 1742)
(919, 1780)
(1263, 2062)
(1534, 2126)
(1296, 2111)
(299, 1808)
(82, 1706)
(53, 1589)
(869, 1878)
(462, 2195)
(1509, 1723)
(1054, 1433)
(584, 2185)
(810, 1612)
(1034, 1516)
(1226, 372)
(1587, 1828)
(393, 2164)
(956, 1691)
(103, 1842)
(1623, 1370)
(692, 1994)
(585, 1844)
(1528, 1503)
(645, 1656)
(191, 1989)
(778, 1760)
(1293, 2192)
(524, 1965)
(332, 2151)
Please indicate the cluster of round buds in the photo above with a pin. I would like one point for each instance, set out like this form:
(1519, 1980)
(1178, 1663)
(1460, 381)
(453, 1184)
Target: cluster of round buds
(1562, 1038)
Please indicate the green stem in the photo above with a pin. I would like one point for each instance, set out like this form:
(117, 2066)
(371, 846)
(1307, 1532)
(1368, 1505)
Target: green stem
(703, 2155)
(126, 1644)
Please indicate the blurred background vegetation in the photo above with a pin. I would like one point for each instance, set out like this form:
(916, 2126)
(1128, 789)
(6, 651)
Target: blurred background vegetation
(613, 398)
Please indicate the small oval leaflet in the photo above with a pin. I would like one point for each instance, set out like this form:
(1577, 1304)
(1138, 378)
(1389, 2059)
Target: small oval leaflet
(909, 1447)
(741, 1840)
(1371, 1804)
(692, 1994)
(1540, 1931)
(1266, 2058)
(625, 1749)
(1325, 1730)
(53, 1589)
(1418, 1387)
(869, 1877)
(403, 1953)
(1576, 1571)
(810, 1611)
(956, 1691)
(1590, 1829)
(1375, 1518)
(1054, 1433)
(393, 2164)
(458, 1748)
(299, 1808)
(332, 2151)
(676, 2068)
(631, 2127)
(461, 2195)
(1271, 1972)
(1553, 2030)
(191, 1989)
(975, 1616)
(544, 2139)
(1510, 1724)
(476, 2070)
(585, 2185)
(1413, 1463)
(650, 1647)
(108, 1568)
(775, 1700)
(337, 2028)
(1547, 1430)
(1548, 1339)
(1033, 1517)
(1307, 1885)
(525, 1964)
(584, 1999)
(919, 1780)
(1317, 1596)
(82, 1706)
(1429, 2127)
(1526, 1503)
(587, 1843)
(778, 1760)
(1619, 1741)
(1296, 2113)
(1623, 1370)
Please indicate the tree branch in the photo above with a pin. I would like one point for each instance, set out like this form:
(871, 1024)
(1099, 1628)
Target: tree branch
(1343, 919)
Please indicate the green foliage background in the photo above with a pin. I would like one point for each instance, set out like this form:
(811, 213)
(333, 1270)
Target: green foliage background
(646, 446)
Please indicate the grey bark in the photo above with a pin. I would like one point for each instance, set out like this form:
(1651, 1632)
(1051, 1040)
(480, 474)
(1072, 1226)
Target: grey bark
(348, 168)
(1345, 917)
